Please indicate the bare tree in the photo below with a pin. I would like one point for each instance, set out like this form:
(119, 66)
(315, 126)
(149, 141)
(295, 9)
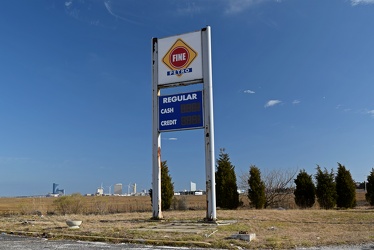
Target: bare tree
(279, 185)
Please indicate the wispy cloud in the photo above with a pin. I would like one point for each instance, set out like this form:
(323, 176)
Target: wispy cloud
(248, 91)
(81, 10)
(236, 6)
(357, 2)
(272, 103)
(5, 159)
(110, 9)
(68, 3)
(371, 112)
(189, 9)
(171, 139)
(341, 107)
(295, 102)
(71, 10)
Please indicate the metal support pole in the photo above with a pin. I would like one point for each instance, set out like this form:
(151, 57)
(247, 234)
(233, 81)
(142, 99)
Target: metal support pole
(156, 145)
(211, 214)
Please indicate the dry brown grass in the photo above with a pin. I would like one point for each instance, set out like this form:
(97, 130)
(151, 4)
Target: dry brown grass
(92, 204)
(274, 228)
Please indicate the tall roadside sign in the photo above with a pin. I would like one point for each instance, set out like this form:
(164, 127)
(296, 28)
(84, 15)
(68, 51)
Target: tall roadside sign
(183, 60)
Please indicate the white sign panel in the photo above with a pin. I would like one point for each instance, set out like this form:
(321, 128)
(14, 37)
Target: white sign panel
(180, 58)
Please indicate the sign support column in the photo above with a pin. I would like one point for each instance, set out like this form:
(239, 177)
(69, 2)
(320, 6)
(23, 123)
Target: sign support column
(156, 145)
(211, 214)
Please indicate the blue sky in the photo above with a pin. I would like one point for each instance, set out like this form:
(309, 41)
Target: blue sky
(293, 85)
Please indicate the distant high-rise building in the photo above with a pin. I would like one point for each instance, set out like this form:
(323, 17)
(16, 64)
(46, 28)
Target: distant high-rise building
(193, 186)
(100, 191)
(57, 191)
(134, 186)
(118, 188)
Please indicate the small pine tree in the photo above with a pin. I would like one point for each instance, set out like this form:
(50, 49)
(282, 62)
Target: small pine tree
(227, 195)
(325, 190)
(305, 191)
(256, 191)
(150, 192)
(167, 187)
(345, 188)
(370, 188)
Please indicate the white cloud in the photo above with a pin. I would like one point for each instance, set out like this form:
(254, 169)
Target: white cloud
(172, 139)
(295, 102)
(357, 2)
(272, 103)
(248, 91)
(371, 112)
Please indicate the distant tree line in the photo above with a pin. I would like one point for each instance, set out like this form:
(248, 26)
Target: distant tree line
(328, 188)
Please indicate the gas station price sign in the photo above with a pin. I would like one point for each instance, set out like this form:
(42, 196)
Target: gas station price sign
(181, 111)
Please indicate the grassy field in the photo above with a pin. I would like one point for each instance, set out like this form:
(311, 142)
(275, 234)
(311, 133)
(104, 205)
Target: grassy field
(94, 204)
(274, 228)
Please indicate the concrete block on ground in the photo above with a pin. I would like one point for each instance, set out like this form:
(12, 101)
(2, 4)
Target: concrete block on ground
(245, 237)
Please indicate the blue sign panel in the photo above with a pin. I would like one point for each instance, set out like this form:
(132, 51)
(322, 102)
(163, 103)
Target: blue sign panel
(180, 111)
